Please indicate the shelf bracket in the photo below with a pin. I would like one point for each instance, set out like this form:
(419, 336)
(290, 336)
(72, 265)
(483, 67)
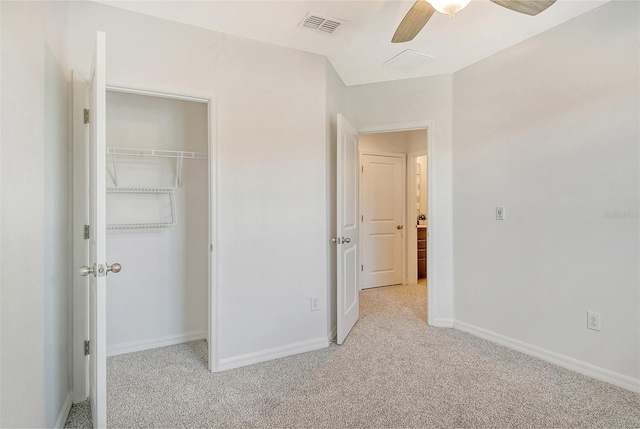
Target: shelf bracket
(115, 170)
(177, 180)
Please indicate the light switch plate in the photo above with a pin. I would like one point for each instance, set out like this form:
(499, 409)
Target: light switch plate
(500, 213)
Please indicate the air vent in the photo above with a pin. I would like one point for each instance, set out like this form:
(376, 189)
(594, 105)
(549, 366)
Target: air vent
(320, 23)
(408, 61)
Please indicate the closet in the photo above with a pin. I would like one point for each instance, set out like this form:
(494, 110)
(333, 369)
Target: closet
(157, 221)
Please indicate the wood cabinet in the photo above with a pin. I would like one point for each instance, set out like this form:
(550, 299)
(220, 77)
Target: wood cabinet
(422, 253)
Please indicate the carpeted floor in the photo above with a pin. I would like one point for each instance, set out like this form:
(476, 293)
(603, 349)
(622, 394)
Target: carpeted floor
(393, 371)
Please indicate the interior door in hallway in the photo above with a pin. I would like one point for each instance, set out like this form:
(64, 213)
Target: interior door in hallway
(348, 291)
(382, 193)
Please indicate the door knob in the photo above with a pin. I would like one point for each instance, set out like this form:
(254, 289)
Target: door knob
(346, 240)
(114, 268)
(400, 226)
(85, 271)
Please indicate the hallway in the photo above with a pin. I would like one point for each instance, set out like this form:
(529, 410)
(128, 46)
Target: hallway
(392, 371)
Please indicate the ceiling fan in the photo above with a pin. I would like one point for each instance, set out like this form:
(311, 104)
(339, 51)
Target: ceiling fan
(422, 10)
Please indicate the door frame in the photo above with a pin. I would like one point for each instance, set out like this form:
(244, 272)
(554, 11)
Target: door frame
(80, 246)
(403, 256)
(79, 187)
(412, 233)
(431, 189)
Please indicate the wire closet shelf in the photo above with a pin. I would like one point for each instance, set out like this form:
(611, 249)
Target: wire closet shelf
(158, 153)
(179, 156)
(145, 225)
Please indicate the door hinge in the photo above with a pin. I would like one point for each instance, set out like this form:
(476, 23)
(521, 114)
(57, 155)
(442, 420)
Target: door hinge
(87, 347)
(361, 267)
(362, 218)
(86, 232)
(362, 168)
(86, 116)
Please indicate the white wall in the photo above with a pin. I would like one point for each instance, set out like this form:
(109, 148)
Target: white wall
(271, 131)
(399, 141)
(335, 104)
(35, 251)
(421, 99)
(549, 129)
(162, 292)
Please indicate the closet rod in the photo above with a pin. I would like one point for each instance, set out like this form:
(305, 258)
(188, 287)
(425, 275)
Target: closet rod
(158, 153)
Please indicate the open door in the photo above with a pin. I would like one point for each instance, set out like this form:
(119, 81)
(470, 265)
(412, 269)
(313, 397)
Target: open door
(348, 294)
(97, 272)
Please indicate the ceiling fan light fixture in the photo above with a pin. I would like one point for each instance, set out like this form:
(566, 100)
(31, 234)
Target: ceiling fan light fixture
(449, 7)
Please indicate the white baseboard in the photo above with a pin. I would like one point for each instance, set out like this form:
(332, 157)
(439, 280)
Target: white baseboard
(442, 323)
(137, 346)
(64, 412)
(576, 365)
(274, 353)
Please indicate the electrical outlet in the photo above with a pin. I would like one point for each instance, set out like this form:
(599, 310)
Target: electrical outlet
(499, 213)
(593, 320)
(315, 303)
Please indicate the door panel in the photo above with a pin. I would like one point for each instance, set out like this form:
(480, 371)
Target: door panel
(349, 273)
(348, 294)
(97, 237)
(382, 209)
(381, 178)
(381, 252)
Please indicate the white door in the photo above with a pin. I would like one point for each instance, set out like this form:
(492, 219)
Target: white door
(382, 212)
(347, 235)
(97, 272)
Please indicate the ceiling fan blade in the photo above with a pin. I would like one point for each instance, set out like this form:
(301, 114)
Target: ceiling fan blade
(413, 22)
(528, 7)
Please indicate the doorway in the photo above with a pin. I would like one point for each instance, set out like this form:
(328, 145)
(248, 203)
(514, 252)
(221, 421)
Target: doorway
(420, 169)
(349, 219)
(157, 214)
(393, 208)
(160, 185)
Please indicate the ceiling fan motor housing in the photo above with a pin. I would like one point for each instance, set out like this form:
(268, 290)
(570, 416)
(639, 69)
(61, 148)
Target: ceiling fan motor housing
(449, 7)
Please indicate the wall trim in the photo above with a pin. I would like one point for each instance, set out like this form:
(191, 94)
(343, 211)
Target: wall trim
(274, 353)
(137, 346)
(64, 412)
(564, 361)
(443, 323)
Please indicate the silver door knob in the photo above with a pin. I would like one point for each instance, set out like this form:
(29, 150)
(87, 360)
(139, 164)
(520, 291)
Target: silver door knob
(85, 271)
(334, 240)
(346, 240)
(114, 268)
(400, 226)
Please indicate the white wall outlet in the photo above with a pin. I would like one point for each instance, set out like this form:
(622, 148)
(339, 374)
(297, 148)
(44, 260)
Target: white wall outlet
(500, 213)
(593, 320)
(315, 303)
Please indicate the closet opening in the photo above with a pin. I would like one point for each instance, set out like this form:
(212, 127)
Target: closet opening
(159, 223)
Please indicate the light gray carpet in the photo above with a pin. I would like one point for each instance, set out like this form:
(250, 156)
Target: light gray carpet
(79, 416)
(393, 371)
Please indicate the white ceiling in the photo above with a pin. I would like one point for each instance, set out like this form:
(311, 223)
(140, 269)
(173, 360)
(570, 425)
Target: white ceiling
(358, 48)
